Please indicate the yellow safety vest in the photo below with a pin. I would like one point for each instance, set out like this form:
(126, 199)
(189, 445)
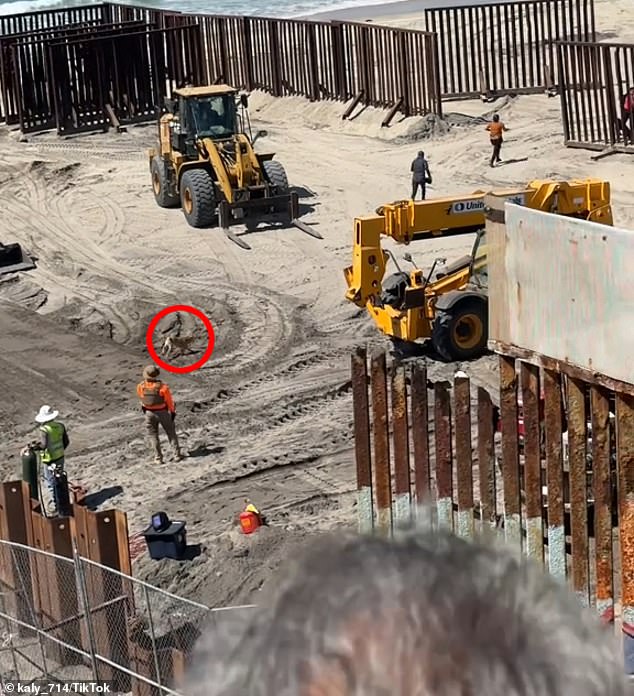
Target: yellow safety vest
(55, 449)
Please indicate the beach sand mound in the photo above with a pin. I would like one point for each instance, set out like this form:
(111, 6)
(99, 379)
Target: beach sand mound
(364, 121)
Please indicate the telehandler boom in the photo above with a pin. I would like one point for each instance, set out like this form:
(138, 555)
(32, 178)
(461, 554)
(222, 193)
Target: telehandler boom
(450, 308)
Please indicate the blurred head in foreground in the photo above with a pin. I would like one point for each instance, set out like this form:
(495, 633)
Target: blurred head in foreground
(423, 614)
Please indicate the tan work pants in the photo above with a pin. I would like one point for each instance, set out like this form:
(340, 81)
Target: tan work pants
(152, 421)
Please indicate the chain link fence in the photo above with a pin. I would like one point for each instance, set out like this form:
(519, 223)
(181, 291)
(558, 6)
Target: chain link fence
(71, 619)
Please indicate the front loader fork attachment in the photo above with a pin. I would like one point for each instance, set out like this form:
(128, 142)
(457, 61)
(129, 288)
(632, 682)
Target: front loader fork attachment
(293, 206)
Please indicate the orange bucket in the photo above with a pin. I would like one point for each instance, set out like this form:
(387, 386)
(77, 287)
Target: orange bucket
(249, 522)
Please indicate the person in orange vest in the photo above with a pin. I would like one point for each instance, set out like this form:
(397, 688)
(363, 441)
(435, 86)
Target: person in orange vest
(158, 406)
(496, 128)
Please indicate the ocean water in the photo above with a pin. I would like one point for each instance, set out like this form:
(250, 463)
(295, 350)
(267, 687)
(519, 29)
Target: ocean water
(262, 8)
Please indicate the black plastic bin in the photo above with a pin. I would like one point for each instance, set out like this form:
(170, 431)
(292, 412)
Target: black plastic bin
(170, 543)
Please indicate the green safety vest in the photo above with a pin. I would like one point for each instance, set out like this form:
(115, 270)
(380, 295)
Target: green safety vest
(55, 449)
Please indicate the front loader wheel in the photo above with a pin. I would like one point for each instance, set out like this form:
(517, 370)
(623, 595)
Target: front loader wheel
(461, 332)
(198, 198)
(160, 184)
(277, 176)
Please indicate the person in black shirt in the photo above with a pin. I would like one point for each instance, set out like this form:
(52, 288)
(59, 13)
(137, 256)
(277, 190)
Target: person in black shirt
(420, 175)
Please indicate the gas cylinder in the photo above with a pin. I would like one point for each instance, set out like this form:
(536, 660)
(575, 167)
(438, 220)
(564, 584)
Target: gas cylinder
(249, 521)
(30, 470)
(61, 494)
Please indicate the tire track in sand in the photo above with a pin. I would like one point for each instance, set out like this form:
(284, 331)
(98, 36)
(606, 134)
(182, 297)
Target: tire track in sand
(36, 210)
(269, 320)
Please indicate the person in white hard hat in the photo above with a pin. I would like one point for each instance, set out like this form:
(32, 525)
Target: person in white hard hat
(53, 443)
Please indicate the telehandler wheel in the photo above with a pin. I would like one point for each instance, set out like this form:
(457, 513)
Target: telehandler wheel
(198, 198)
(461, 332)
(160, 184)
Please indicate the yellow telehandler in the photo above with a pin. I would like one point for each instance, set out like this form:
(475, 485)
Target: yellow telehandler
(450, 307)
(205, 162)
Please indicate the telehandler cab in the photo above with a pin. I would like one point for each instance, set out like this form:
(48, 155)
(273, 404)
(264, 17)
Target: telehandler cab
(206, 164)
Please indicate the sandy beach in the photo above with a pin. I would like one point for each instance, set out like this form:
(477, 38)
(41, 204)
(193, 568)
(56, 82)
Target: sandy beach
(269, 417)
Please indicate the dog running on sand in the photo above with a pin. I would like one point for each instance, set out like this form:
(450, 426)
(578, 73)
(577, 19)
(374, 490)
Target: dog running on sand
(180, 343)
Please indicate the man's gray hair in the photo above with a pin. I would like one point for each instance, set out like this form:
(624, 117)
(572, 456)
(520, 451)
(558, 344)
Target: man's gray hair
(425, 613)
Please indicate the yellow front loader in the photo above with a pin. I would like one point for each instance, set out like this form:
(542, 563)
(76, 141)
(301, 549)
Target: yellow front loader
(205, 162)
(449, 307)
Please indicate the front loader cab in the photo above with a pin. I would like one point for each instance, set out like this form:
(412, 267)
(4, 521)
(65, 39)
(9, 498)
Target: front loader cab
(211, 116)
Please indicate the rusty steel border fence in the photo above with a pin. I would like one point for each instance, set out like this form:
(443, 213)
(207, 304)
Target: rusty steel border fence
(594, 80)
(501, 48)
(403, 70)
(381, 66)
(130, 74)
(548, 463)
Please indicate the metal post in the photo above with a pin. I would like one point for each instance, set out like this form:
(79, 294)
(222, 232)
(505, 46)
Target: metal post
(153, 636)
(81, 581)
(31, 610)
